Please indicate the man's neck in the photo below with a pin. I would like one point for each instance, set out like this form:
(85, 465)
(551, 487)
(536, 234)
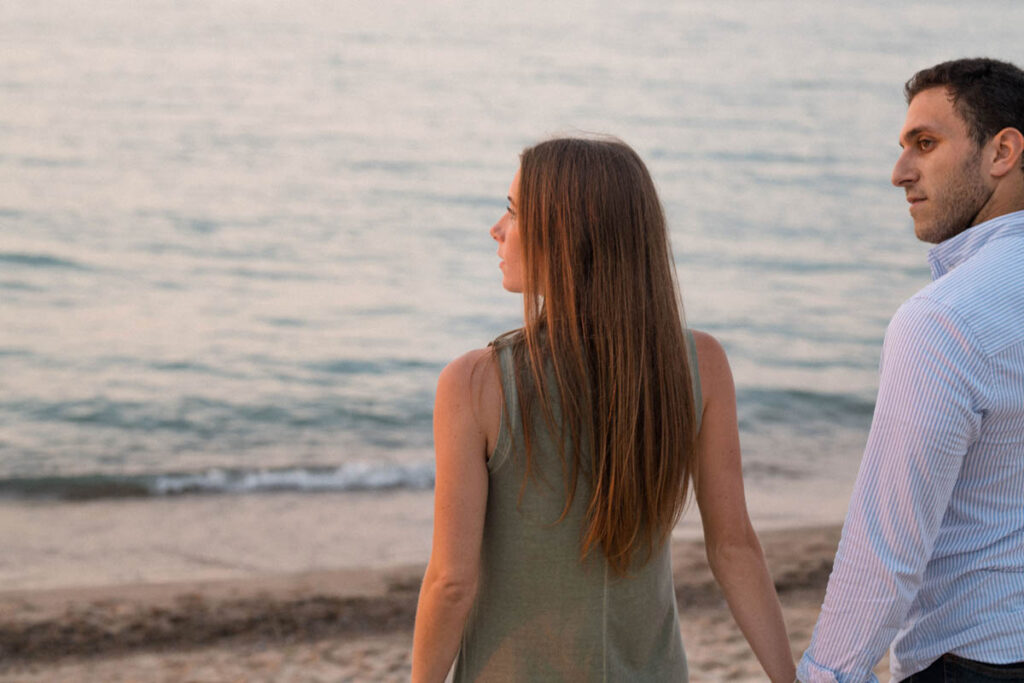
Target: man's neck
(1007, 197)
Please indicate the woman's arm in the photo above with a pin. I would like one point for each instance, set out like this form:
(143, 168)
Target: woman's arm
(733, 550)
(460, 500)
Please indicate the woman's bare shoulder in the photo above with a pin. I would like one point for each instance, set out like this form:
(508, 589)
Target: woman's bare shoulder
(712, 363)
(475, 377)
(464, 368)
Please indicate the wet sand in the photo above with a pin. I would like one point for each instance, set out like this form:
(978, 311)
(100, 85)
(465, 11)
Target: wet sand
(348, 624)
(114, 542)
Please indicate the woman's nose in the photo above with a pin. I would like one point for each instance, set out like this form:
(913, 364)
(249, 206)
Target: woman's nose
(496, 231)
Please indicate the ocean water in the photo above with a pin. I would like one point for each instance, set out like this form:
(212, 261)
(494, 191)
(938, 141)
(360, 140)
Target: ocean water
(239, 240)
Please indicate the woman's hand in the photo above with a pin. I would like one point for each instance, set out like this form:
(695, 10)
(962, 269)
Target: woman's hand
(733, 550)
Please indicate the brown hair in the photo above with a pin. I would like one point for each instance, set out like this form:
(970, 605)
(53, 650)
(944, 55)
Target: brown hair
(987, 94)
(604, 320)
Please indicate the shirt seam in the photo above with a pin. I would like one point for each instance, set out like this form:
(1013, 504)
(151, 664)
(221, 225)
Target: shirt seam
(499, 456)
(604, 627)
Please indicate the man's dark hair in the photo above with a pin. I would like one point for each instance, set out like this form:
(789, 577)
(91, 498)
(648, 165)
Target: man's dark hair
(986, 93)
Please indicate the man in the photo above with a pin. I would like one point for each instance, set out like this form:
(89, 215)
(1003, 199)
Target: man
(931, 559)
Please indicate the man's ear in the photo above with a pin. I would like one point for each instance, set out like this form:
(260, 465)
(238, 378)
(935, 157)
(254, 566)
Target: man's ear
(1007, 147)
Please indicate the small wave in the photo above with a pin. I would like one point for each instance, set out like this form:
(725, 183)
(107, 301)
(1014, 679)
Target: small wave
(771, 470)
(377, 311)
(266, 274)
(206, 417)
(391, 166)
(437, 198)
(794, 266)
(39, 261)
(370, 367)
(50, 162)
(286, 322)
(345, 478)
(13, 285)
(802, 408)
(182, 366)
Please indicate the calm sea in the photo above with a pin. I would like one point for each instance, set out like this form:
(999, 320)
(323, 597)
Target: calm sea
(239, 239)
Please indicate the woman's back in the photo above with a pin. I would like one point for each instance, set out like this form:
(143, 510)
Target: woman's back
(540, 613)
(520, 585)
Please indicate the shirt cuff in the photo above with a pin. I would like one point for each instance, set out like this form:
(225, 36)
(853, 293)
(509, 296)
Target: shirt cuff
(810, 671)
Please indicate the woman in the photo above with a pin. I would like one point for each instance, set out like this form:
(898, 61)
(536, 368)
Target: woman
(565, 450)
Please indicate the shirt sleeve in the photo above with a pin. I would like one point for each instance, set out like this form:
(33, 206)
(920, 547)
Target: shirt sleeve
(926, 417)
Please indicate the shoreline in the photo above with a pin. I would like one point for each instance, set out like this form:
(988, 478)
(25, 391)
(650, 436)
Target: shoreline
(349, 624)
(116, 618)
(301, 587)
(187, 538)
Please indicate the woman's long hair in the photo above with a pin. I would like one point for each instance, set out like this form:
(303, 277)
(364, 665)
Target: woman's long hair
(603, 319)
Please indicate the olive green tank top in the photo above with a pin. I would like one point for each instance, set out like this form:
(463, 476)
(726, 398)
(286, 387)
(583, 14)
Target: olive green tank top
(542, 615)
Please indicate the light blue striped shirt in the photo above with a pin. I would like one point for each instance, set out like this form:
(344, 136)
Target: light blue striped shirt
(932, 552)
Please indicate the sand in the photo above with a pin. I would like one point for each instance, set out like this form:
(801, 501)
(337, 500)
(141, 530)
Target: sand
(347, 624)
(55, 544)
(310, 587)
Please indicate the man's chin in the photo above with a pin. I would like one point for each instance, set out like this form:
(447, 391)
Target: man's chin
(927, 233)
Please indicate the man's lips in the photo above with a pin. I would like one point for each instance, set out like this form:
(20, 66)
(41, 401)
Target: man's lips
(914, 201)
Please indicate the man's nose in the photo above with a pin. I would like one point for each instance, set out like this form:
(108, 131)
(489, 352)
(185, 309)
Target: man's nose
(902, 171)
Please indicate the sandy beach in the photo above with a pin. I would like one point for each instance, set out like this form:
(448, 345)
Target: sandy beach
(142, 609)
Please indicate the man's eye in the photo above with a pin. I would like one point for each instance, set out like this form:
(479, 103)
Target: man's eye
(925, 144)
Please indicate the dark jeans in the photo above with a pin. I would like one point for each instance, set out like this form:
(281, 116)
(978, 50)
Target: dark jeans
(953, 669)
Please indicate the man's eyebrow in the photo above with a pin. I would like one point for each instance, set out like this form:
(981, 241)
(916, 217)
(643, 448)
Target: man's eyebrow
(912, 133)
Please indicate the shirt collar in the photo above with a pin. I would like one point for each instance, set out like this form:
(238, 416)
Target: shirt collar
(945, 256)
